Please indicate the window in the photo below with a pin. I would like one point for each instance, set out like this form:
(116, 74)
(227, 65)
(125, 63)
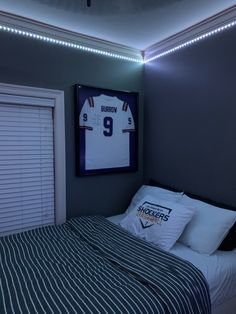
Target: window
(32, 158)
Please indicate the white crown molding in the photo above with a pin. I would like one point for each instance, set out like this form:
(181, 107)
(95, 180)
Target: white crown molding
(31, 26)
(214, 22)
(95, 45)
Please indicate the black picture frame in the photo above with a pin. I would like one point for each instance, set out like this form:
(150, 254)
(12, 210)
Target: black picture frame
(106, 130)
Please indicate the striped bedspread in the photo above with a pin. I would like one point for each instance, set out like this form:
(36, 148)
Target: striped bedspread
(89, 265)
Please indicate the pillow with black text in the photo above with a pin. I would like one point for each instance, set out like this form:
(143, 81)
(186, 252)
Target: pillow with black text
(158, 221)
(155, 192)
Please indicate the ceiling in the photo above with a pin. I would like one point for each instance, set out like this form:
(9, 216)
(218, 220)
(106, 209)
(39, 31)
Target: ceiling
(133, 23)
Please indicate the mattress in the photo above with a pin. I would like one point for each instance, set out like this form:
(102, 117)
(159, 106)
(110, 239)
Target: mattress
(219, 268)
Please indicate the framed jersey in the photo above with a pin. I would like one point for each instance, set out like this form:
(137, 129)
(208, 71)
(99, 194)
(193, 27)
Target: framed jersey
(106, 127)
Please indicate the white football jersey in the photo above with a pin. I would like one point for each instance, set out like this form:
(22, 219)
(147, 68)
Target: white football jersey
(107, 122)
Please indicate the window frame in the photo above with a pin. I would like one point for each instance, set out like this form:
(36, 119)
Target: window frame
(27, 95)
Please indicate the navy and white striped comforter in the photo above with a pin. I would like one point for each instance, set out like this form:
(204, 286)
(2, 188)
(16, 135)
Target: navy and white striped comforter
(89, 265)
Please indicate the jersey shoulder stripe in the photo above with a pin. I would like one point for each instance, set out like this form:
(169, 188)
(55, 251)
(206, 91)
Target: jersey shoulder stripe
(128, 130)
(91, 101)
(125, 106)
(86, 127)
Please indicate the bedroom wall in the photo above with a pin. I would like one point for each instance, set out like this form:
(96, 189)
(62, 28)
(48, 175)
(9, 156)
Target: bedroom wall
(190, 119)
(34, 63)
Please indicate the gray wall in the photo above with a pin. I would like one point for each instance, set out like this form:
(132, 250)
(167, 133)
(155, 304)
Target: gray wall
(190, 119)
(34, 63)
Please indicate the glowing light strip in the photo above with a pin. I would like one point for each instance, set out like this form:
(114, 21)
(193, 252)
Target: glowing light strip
(190, 42)
(66, 43)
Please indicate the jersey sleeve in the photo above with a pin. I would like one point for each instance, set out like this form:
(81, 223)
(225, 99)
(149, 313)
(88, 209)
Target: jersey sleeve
(85, 114)
(128, 121)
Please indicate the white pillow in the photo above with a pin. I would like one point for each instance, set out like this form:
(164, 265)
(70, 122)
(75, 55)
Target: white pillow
(156, 192)
(157, 221)
(209, 226)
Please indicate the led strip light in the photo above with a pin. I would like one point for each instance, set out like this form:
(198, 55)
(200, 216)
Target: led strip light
(111, 54)
(66, 43)
(194, 40)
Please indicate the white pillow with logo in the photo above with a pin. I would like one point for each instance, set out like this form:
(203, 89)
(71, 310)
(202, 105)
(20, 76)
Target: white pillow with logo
(158, 221)
(156, 192)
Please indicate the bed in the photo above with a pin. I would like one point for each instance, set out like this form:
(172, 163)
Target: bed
(95, 264)
(91, 265)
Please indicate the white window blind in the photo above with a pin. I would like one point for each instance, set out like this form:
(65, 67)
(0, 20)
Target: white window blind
(26, 167)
